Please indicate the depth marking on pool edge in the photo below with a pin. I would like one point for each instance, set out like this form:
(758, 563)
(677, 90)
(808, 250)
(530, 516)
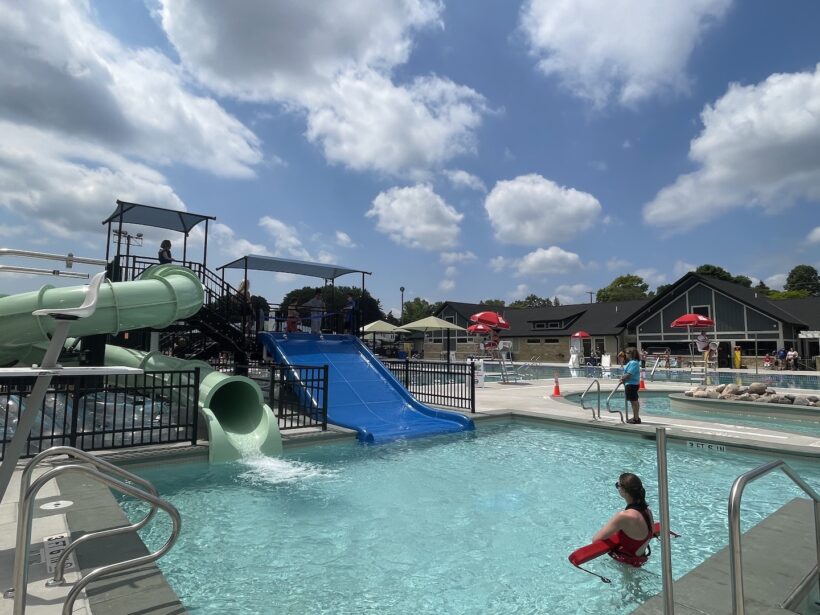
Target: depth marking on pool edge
(705, 446)
(53, 547)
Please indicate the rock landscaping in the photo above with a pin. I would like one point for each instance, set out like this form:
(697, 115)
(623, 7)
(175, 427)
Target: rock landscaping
(755, 392)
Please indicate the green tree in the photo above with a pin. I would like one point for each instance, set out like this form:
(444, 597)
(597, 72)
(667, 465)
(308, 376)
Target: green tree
(416, 309)
(805, 278)
(391, 319)
(555, 301)
(493, 302)
(743, 280)
(716, 272)
(662, 288)
(623, 288)
(776, 295)
(335, 298)
(532, 301)
(762, 288)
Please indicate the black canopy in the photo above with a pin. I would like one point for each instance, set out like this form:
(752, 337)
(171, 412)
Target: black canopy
(148, 215)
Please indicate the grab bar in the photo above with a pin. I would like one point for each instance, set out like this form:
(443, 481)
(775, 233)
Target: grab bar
(735, 495)
(25, 482)
(69, 259)
(24, 535)
(598, 384)
(609, 408)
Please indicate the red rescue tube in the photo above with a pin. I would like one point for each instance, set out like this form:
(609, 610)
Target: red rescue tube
(602, 547)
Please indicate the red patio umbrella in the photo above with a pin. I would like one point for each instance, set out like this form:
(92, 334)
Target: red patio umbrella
(479, 329)
(580, 334)
(693, 321)
(491, 319)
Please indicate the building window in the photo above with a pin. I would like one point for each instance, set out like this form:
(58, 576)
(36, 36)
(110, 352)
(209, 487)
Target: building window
(703, 310)
(551, 340)
(553, 324)
(533, 340)
(539, 325)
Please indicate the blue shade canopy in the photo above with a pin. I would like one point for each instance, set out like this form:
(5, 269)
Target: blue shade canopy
(257, 262)
(148, 215)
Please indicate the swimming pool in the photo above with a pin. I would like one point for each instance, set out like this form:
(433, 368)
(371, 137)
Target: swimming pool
(657, 404)
(527, 371)
(476, 523)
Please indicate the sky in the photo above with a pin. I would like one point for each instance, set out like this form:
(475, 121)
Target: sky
(461, 150)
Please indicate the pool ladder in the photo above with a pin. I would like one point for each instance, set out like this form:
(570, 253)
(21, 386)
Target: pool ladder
(597, 384)
(735, 495)
(146, 492)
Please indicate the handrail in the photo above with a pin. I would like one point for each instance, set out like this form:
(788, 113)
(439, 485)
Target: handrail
(25, 482)
(598, 384)
(735, 495)
(24, 535)
(69, 259)
(609, 408)
(41, 271)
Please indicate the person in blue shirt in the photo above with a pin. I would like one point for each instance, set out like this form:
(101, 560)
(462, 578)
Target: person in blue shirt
(632, 380)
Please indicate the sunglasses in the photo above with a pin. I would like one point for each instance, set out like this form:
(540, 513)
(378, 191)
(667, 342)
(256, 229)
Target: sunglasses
(617, 485)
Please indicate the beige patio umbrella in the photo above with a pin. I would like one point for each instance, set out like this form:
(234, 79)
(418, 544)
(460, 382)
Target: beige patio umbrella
(433, 323)
(382, 326)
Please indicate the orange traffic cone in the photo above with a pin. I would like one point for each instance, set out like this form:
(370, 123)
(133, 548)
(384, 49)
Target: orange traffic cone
(556, 390)
(642, 385)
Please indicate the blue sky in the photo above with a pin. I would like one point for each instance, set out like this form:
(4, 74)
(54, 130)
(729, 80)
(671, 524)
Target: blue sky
(463, 150)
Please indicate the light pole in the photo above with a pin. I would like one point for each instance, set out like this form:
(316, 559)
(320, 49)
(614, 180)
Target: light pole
(401, 318)
(129, 239)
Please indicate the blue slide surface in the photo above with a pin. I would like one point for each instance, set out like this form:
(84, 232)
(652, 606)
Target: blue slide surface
(362, 393)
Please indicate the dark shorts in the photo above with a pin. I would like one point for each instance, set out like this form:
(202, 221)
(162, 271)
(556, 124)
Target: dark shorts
(631, 392)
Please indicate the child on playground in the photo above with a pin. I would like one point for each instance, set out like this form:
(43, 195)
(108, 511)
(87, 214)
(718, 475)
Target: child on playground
(293, 318)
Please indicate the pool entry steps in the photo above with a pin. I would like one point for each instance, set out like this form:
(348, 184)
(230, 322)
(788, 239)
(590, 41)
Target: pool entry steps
(362, 394)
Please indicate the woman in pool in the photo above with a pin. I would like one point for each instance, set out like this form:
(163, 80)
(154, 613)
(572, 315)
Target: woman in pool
(632, 381)
(633, 525)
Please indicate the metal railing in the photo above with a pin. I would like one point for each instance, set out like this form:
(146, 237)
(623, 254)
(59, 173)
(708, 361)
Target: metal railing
(626, 405)
(25, 515)
(441, 384)
(597, 383)
(735, 495)
(105, 412)
(69, 260)
(298, 395)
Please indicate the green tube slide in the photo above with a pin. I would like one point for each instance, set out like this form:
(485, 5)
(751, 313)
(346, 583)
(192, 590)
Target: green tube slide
(239, 423)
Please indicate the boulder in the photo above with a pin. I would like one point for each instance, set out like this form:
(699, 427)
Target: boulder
(742, 390)
(758, 388)
(699, 394)
(720, 388)
(744, 397)
(731, 389)
(813, 398)
(712, 394)
(800, 400)
(689, 393)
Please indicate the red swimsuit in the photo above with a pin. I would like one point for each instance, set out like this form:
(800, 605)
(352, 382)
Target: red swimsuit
(627, 550)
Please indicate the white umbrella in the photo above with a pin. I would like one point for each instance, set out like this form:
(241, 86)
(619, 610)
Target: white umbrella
(432, 323)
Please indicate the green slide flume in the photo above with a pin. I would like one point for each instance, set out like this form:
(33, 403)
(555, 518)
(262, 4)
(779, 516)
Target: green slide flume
(239, 423)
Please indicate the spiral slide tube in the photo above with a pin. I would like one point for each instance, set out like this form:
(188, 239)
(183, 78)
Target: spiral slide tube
(239, 423)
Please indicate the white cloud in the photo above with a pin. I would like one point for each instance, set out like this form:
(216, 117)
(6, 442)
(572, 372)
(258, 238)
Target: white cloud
(343, 240)
(572, 293)
(626, 144)
(615, 263)
(232, 246)
(499, 263)
(599, 165)
(651, 275)
(521, 291)
(776, 281)
(447, 284)
(462, 179)
(759, 147)
(452, 258)
(814, 235)
(532, 210)
(548, 261)
(681, 268)
(451, 272)
(333, 62)
(417, 217)
(285, 239)
(63, 74)
(628, 50)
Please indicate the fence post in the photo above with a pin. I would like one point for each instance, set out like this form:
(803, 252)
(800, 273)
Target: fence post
(407, 374)
(325, 369)
(196, 407)
(472, 387)
(75, 410)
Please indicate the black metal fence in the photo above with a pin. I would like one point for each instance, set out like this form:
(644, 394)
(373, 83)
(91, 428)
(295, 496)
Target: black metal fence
(440, 384)
(105, 412)
(297, 395)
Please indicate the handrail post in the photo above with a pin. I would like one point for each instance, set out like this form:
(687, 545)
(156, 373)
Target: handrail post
(666, 543)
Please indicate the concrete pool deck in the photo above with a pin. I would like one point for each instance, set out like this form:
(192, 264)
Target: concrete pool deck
(145, 591)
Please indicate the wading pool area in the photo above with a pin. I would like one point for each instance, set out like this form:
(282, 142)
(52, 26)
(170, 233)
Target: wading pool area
(479, 522)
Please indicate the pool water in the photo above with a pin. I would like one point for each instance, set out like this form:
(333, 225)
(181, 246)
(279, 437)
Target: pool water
(481, 522)
(529, 371)
(658, 404)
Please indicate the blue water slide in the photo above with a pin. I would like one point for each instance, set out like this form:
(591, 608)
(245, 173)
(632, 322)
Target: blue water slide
(362, 393)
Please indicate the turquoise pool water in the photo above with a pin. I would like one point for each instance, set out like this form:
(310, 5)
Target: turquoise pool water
(657, 404)
(771, 378)
(474, 523)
